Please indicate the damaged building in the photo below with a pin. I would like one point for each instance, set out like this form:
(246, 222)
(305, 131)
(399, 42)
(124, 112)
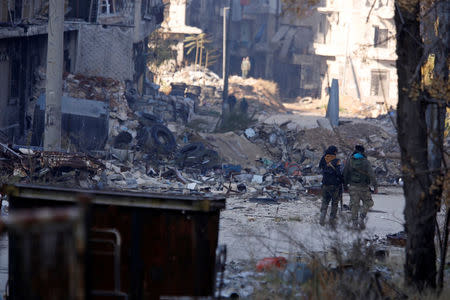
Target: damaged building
(351, 41)
(102, 38)
(358, 42)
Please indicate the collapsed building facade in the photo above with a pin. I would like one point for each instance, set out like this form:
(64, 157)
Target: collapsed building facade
(102, 38)
(353, 42)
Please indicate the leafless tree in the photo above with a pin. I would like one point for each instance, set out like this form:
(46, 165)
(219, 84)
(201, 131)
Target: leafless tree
(423, 177)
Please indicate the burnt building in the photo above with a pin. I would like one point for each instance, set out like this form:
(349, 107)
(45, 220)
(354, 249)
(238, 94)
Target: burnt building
(103, 38)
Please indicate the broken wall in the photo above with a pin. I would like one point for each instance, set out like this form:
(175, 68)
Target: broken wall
(105, 51)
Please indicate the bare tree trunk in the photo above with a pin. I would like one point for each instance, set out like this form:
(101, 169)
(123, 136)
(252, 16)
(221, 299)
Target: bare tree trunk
(441, 71)
(420, 209)
(53, 90)
(444, 250)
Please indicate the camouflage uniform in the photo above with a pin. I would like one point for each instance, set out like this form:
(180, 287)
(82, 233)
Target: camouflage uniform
(357, 194)
(359, 175)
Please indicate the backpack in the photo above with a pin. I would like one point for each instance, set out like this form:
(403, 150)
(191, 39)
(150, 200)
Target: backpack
(358, 171)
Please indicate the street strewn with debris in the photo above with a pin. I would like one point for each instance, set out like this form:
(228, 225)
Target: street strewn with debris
(242, 149)
(269, 171)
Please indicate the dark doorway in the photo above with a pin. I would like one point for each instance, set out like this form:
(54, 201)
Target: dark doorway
(288, 77)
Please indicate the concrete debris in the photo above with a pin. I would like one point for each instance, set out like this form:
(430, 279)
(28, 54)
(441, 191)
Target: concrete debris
(257, 179)
(249, 133)
(233, 148)
(8, 151)
(165, 143)
(259, 93)
(191, 186)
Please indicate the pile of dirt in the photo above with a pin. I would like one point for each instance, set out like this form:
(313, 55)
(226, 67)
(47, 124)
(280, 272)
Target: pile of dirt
(258, 92)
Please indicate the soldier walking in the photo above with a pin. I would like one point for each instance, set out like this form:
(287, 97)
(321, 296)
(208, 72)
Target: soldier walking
(331, 184)
(359, 175)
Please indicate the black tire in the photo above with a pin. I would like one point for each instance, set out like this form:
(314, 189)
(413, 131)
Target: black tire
(123, 139)
(189, 154)
(212, 157)
(163, 139)
(147, 119)
(193, 149)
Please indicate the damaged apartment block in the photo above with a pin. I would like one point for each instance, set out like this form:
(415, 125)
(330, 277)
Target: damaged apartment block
(102, 38)
(335, 39)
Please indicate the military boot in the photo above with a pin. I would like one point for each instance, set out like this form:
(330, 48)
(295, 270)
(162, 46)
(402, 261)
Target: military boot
(362, 223)
(322, 218)
(333, 223)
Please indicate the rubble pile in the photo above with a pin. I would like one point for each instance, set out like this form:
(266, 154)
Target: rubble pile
(211, 83)
(93, 88)
(137, 173)
(168, 108)
(260, 94)
(28, 165)
(266, 163)
(283, 143)
(108, 90)
(150, 146)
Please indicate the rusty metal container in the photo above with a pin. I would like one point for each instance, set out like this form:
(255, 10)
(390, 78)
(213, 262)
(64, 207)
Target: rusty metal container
(140, 245)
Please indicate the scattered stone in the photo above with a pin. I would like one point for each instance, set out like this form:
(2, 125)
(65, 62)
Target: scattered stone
(249, 133)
